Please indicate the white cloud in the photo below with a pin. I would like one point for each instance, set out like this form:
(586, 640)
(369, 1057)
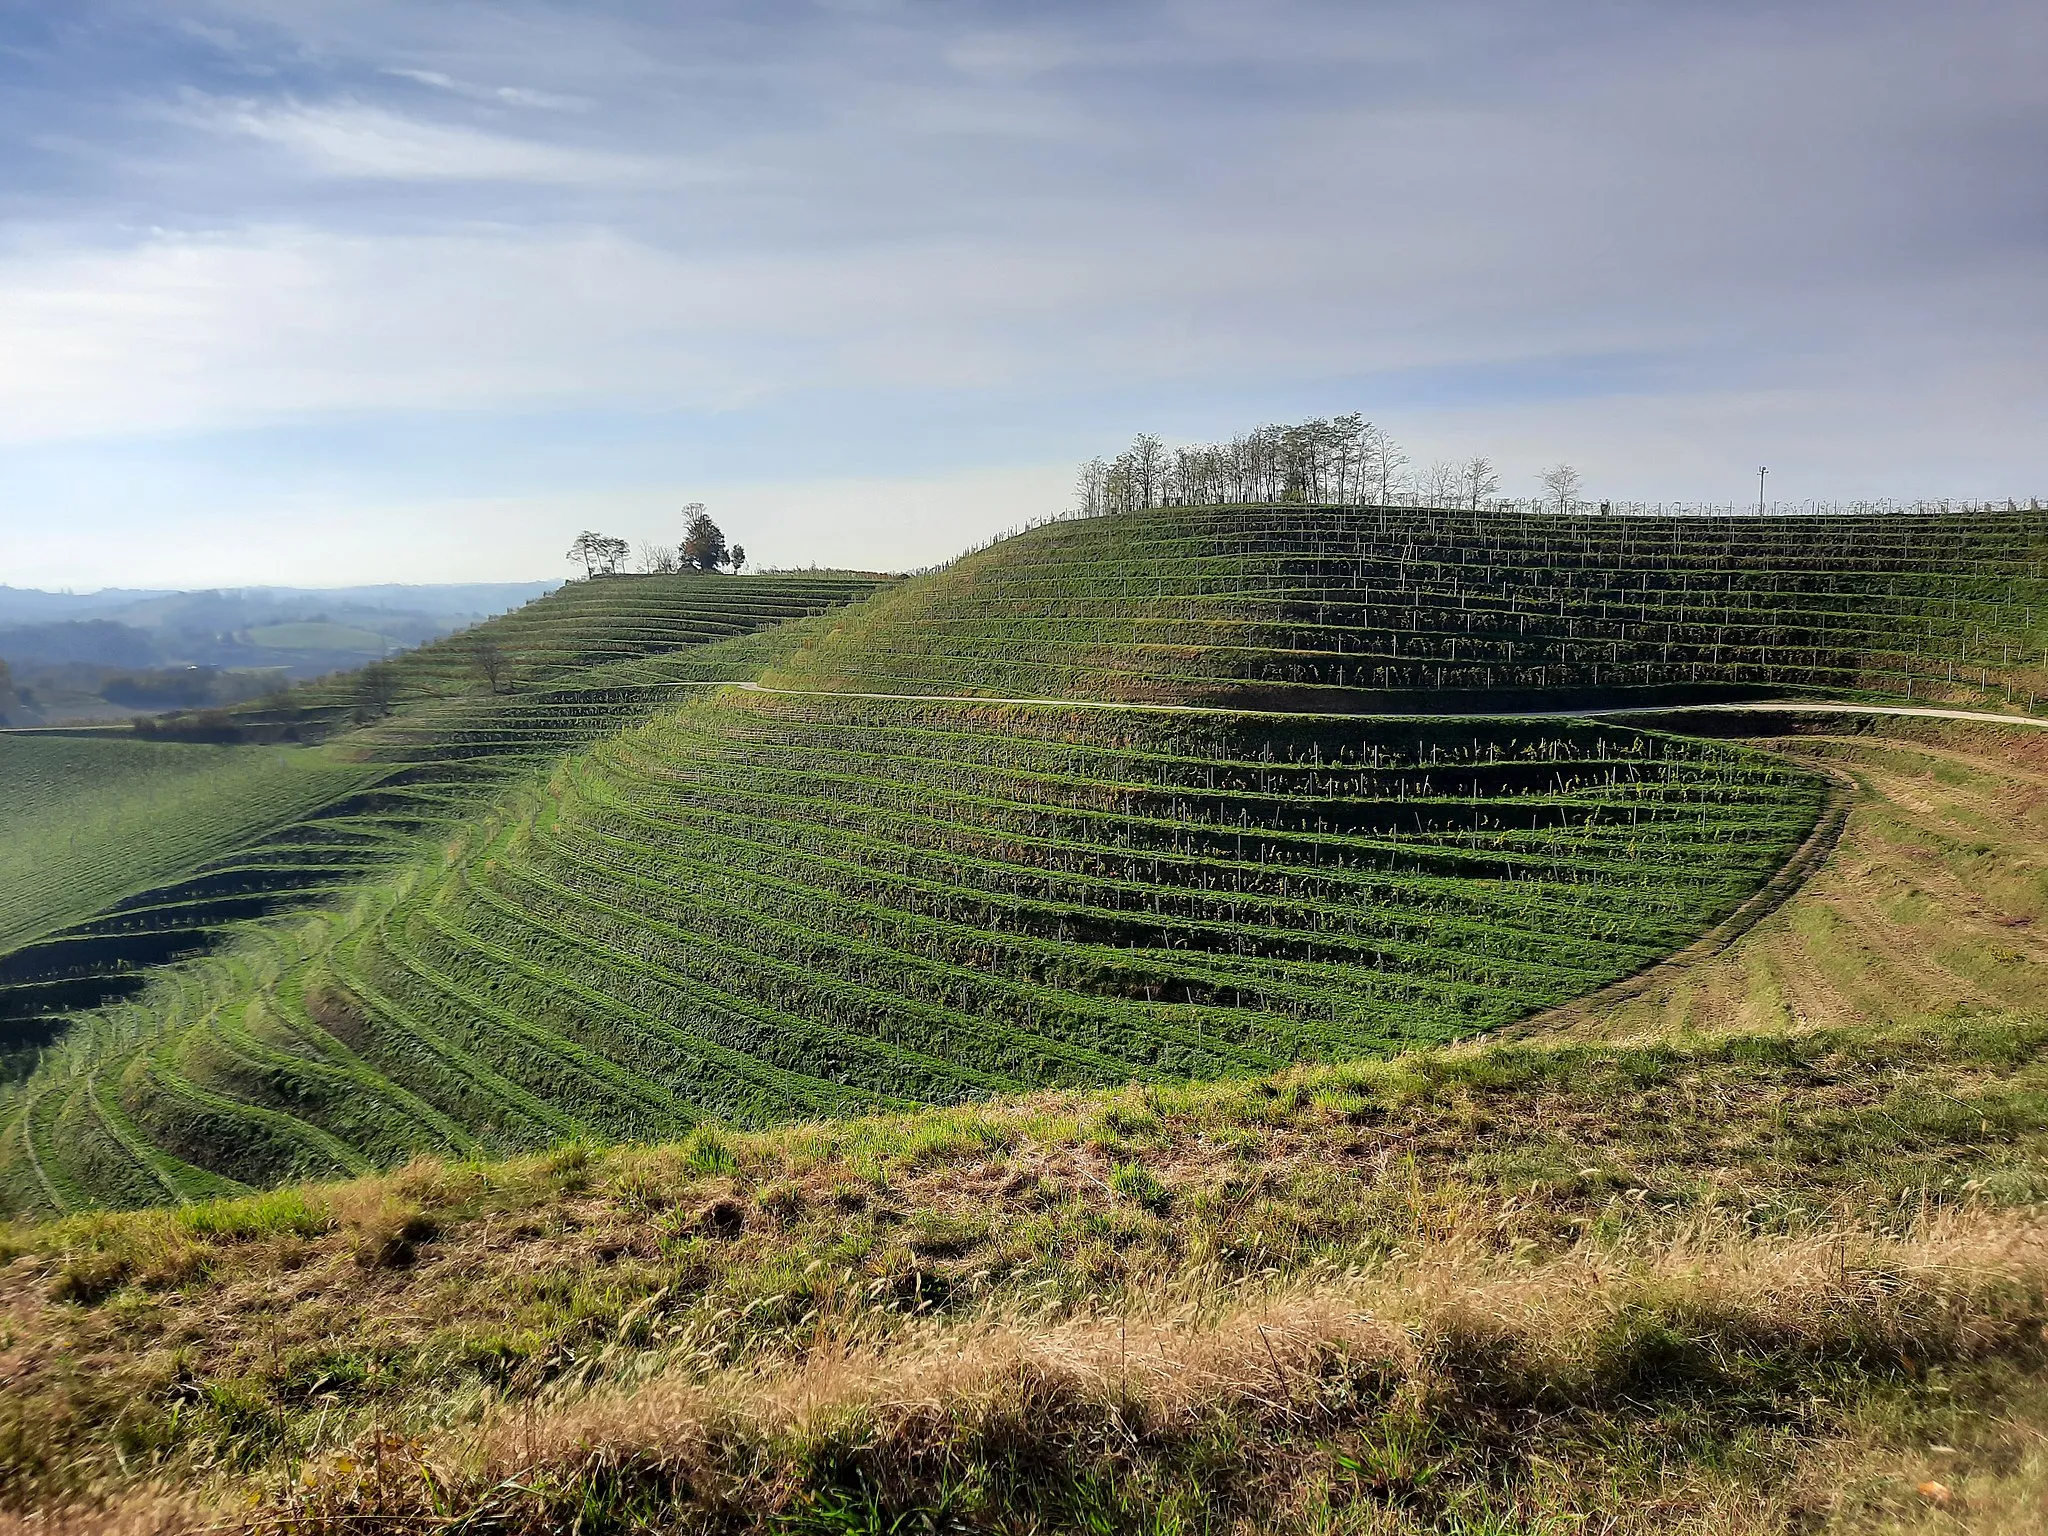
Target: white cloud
(353, 140)
(505, 95)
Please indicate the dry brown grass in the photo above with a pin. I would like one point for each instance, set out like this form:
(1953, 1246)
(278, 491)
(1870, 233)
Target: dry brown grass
(1934, 899)
(1468, 1355)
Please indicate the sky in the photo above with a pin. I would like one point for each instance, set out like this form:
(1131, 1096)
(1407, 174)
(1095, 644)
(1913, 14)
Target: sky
(330, 291)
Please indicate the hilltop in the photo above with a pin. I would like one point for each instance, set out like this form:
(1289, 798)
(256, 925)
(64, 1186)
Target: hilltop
(1420, 609)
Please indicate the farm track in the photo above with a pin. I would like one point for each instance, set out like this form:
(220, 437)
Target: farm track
(1602, 712)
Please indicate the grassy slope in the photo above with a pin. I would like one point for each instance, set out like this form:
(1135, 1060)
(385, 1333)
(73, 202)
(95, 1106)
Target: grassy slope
(1757, 1276)
(755, 909)
(1308, 608)
(105, 886)
(89, 820)
(581, 628)
(1935, 901)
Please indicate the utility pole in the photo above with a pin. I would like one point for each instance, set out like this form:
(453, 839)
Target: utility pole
(1761, 472)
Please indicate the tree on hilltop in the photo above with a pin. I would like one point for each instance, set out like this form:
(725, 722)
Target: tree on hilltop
(703, 541)
(1562, 482)
(1440, 486)
(1478, 481)
(739, 558)
(599, 555)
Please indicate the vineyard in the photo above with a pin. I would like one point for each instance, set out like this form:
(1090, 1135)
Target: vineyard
(100, 835)
(566, 887)
(1403, 609)
(577, 630)
(1761, 1256)
(755, 908)
(118, 856)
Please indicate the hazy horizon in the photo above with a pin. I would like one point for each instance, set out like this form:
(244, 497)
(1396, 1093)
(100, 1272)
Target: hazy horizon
(299, 292)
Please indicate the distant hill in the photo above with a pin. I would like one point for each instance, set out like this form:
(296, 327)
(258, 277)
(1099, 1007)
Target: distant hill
(108, 655)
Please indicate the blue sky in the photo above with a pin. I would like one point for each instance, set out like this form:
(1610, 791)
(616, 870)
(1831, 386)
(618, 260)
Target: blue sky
(308, 292)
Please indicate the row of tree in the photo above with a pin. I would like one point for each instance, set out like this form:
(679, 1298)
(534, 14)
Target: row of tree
(703, 549)
(1342, 460)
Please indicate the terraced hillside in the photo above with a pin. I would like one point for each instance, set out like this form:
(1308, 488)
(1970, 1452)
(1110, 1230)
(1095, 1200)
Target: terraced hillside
(579, 629)
(92, 828)
(1370, 608)
(763, 905)
(758, 907)
(1767, 1260)
(117, 854)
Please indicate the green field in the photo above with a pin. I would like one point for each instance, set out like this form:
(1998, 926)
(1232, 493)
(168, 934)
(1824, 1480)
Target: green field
(92, 825)
(1169, 1023)
(582, 895)
(1768, 1262)
(1373, 608)
(120, 855)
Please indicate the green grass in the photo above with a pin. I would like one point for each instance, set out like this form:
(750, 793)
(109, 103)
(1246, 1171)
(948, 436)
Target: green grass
(1768, 1258)
(1714, 1287)
(623, 908)
(574, 636)
(757, 908)
(1364, 608)
(90, 820)
(119, 856)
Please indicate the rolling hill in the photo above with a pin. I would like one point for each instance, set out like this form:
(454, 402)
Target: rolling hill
(1094, 804)
(1327, 608)
(1047, 1045)
(125, 853)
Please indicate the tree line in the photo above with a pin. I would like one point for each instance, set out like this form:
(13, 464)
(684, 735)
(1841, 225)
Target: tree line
(703, 548)
(1339, 460)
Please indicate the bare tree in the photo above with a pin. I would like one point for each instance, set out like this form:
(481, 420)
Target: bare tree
(703, 542)
(598, 554)
(1147, 469)
(1384, 463)
(1478, 481)
(376, 690)
(658, 559)
(489, 660)
(1439, 485)
(1562, 482)
(1092, 488)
